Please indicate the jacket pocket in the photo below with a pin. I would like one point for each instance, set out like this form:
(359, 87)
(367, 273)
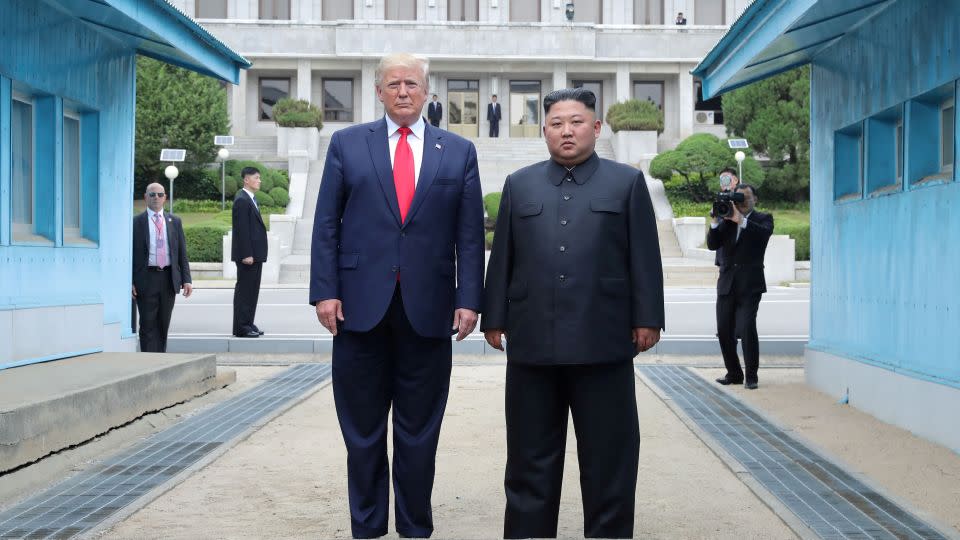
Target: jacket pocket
(517, 290)
(529, 209)
(348, 260)
(610, 206)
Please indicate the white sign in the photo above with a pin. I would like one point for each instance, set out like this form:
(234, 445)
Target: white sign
(737, 143)
(172, 154)
(223, 140)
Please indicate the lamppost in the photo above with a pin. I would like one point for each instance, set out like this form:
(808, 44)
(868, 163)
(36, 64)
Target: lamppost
(223, 154)
(740, 156)
(171, 172)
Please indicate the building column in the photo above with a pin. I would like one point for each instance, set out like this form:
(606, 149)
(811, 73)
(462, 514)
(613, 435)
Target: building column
(304, 79)
(685, 93)
(559, 75)
(238, 105)
(368, 91)
(623, 83)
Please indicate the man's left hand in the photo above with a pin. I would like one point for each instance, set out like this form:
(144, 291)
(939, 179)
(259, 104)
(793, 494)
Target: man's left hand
(464, 321)
(187, 290)
(645, 338)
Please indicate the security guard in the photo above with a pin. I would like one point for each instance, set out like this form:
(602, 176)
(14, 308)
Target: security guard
(575, 285)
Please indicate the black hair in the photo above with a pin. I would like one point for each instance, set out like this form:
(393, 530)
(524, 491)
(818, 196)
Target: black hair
(588, 98)
(248, 171)
(756, 194)
(730, 170)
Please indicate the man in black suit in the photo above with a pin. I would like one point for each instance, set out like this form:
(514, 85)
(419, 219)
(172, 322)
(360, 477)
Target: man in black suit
(575, 284)
(435, 112)
(249, 252)
(160, 268)
(493, 116)
(743, 235)
(681, 20)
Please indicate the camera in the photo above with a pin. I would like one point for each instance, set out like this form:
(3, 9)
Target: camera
(723, 203)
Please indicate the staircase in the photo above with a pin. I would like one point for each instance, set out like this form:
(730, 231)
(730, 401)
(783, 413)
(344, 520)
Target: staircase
(257, 148)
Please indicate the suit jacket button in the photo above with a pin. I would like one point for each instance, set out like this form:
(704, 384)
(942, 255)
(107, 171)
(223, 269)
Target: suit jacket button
(563, 248)
(562, 277)
(563, 222)
(566, 197)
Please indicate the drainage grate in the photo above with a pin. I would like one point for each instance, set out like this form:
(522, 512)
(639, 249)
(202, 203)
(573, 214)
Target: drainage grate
(831, 502)
(86, 500)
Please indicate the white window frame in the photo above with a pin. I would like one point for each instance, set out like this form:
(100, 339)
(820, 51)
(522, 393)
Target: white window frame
(23, 232)
(73, 234)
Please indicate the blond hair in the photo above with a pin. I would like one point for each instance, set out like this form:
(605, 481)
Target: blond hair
(403, 60)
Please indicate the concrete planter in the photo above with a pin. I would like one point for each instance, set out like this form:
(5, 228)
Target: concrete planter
(635, 147)
(298, 140)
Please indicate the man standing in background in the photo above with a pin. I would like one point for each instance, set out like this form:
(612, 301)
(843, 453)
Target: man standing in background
(249, 252)
(435, 112)
(160, 268)
(493, 116)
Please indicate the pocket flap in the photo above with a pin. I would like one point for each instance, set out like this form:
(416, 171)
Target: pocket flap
(529, 209)
(348, 260)
(613, 206)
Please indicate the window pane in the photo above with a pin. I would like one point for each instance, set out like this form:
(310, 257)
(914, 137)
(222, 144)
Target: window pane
(528, 11)
(211, 9)
(649, 91)
(471, 10)
(71, 174)
(587, 11)
(454, 115)
(272, 91)
(709, 12)
(334, 10)
(275, 9)
(946, 136)
(899, 150)
(22, 156)
(455, 10)
(401, 10)
(338, 100)
(597, 88)
(648, 11)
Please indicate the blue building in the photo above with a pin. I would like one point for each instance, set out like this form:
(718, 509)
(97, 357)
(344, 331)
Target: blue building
(67, 98)
(885, 198)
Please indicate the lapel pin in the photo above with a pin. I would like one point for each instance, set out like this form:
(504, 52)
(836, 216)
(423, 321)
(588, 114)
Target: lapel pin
(438, 146)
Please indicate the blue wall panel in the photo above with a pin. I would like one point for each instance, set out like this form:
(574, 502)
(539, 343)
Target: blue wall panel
(884, 269)
(57, 55)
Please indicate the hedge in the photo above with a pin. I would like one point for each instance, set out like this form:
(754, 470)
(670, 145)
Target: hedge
(491, 203)
(205, 242)
(635, 115)
(280, 196)
(801, 238)
(297, 113)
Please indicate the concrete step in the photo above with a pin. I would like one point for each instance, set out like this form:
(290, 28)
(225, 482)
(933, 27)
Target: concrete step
(50, 406)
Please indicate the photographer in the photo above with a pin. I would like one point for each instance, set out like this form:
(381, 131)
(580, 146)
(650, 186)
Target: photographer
(739, 234)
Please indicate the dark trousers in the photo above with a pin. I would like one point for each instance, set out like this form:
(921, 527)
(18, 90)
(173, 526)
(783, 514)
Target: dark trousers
(495, 129)
(737, 318)
(603, 402)
(390, 366)
(155, 303)
(245, 296)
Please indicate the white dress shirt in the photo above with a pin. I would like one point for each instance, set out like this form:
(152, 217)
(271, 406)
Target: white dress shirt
(152, 236)
(743, 225)
(252, 198)
(415, 139)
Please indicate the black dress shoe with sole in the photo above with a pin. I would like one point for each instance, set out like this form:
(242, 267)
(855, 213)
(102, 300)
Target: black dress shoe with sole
(750, 386)
(250, 334)
(726, 380)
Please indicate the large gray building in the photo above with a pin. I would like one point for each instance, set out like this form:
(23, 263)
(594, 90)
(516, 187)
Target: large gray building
(325, 51)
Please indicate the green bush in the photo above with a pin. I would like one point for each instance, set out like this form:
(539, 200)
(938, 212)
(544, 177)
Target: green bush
(280, 196)
(801, 238)
(281, 179)
(264, 200)
(184, 206)
(489, 239)
(491, 203)
(270, 179)
(205, 242)
(297, 113)
(635, 115)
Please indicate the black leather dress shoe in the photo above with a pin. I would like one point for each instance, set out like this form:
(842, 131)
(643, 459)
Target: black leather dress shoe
(750, 386)
(727, 380)
(250, 334)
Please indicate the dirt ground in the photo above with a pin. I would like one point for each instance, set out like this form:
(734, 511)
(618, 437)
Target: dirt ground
(288, 479)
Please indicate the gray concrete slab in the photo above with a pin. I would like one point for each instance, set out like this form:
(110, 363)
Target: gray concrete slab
(50, 406)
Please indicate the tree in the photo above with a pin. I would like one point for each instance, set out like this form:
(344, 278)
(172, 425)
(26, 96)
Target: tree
(176, 108)
(698, 159)
(774, 115)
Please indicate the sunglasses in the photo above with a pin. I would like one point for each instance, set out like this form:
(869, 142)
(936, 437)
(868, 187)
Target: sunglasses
(153, 194)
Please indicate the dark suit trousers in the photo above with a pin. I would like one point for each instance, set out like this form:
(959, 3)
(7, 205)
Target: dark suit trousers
(390, 366)
(495, 129)
(155, 305)
(737, 318)
(602, 399)
(246, 293)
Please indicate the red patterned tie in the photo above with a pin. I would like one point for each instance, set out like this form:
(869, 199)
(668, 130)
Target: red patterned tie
(161, 244)
(403, 173)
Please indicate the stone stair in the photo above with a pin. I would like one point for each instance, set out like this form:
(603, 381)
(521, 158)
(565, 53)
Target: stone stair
(257, 148)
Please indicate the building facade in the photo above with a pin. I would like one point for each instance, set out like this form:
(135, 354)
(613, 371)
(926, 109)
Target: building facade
(67, 98)
(885, 298)
(325, 51)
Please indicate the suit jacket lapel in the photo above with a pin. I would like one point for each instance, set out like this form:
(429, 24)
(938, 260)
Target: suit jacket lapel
(380, 157)
(429, 164)
(141, 231)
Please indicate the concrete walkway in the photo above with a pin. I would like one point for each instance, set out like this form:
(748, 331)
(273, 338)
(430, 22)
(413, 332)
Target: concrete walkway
(288, 480)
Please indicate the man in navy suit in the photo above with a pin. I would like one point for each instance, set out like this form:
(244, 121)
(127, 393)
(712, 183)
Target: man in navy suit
(396, 269)
(493, 116)
(435, 112)
(249, 252)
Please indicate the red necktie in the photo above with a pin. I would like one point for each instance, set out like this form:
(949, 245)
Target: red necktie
(161, 244)
(403, 173)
